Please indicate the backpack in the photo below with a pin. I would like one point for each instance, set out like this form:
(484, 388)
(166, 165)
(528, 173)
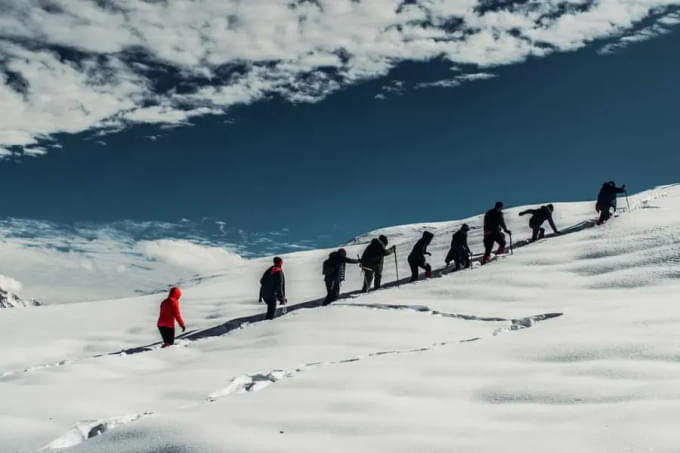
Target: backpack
(327, 267)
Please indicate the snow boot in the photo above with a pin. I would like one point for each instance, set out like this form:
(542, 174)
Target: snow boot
(541, 233)
(486, 259)
(501, 250)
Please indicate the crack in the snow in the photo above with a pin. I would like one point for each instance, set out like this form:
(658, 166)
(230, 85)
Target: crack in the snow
(257, 381)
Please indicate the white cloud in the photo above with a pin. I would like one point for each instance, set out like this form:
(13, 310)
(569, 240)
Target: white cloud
(86, 262)
(661, 27)
(670, 19)
(75, 65)
(189, 255)
(10, 284)
(456, 81)
(35, 151)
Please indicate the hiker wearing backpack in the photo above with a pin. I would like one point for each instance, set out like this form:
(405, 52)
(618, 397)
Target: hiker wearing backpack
(334, 273)
(606, 200)
(459, 252)
(538, 217)
(168, 315)
(416, 259)
(493, 223)
(273, 287)
(372, 261)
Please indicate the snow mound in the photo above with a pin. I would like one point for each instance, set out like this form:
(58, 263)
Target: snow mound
(88, 429)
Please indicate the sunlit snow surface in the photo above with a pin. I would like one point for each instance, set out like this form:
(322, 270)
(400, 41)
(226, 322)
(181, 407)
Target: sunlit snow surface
(391, 371)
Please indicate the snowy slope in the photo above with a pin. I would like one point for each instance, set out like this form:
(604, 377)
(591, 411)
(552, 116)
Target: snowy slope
(570, 344)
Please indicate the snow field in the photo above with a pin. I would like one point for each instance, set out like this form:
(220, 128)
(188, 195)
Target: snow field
(379, 372)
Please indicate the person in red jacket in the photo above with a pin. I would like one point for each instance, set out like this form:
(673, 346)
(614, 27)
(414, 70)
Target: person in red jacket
(169, 313)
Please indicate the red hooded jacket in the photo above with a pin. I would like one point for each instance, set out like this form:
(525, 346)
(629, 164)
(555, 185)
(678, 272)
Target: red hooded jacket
(170, 310)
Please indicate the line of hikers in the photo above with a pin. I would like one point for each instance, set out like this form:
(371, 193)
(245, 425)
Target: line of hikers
(273, 281)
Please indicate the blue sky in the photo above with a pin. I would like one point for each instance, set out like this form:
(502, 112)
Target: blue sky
(330, 154)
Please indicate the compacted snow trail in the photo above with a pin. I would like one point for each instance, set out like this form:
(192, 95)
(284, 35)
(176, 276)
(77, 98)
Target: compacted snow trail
(237, 323)
(392, 370)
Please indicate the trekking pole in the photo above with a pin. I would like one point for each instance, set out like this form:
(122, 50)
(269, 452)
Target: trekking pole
(627, 202)
(396, 265)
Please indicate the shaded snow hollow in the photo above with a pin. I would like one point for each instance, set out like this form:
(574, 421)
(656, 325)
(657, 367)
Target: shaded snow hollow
(568, 345)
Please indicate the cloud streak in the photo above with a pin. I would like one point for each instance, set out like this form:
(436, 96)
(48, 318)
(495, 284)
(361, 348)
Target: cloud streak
(75, 65)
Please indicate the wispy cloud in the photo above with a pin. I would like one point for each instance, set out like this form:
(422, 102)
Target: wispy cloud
(456, 81)
(75, 65)
(662, 26)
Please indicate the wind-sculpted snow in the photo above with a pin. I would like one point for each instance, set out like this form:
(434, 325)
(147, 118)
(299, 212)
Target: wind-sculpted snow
(475, 360)
(258, 381)
(85, 430)
(254, 382)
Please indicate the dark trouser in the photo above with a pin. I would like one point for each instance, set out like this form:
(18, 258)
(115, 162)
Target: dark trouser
(461, 258)
(167, 334)
(538, 233)
(332, 290)
(415, 264)
(271, 308)
(371, 275)
(490, 238)
(605, 214)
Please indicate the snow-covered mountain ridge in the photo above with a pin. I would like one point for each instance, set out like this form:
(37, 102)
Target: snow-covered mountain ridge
(568, 345)
(11, 300)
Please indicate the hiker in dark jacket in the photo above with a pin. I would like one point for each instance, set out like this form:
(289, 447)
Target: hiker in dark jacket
(493, 223)
(606, 200)
(416, 258)
(372, 261)
(334, 273)
(538, 217)
(273, 287)
(459, 252)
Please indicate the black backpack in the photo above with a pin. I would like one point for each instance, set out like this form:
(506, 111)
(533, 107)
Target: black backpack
(327, 267)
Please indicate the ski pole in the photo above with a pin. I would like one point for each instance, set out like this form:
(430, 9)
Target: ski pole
(627, 202)
(396, 265)
(511, 251)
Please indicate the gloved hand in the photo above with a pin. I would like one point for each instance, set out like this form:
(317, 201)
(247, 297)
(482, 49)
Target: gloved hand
(428, 253)
(509, 232)
(623, 187)
(184, 328)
